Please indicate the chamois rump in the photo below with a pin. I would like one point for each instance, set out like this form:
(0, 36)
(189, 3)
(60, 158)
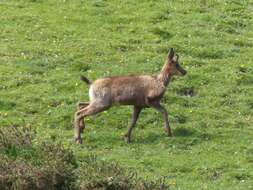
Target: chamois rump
(141, 91)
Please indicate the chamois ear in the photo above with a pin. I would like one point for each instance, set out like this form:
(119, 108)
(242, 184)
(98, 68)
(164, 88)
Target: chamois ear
(177, 57)
(171, 54)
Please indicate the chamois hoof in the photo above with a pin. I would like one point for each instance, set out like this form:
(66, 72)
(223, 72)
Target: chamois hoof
(126, 138)
(78, 141)
(169, 135)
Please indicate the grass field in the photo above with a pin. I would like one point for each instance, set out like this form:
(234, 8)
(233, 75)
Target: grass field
(45, 45)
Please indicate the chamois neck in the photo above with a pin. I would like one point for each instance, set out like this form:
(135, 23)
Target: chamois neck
(164, 76)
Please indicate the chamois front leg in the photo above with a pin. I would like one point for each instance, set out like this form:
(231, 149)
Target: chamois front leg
(136, 113)
(156, 105)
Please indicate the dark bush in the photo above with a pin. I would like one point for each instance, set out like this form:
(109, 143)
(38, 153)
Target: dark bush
(25, 166)
(50, 166)
(94, 174)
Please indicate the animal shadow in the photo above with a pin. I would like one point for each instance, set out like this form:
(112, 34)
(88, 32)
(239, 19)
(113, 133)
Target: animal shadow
(153, 138)
(183, 132)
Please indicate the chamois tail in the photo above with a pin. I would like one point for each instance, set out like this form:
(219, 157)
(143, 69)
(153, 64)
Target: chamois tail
(86, 80)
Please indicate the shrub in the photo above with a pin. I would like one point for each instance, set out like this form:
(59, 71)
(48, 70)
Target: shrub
(94, 174)
(46, 165)
(25, 166)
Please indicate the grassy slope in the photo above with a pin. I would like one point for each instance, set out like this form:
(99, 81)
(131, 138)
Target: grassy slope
(46, 45)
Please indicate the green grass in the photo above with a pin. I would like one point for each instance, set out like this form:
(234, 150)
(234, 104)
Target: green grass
(45, 45)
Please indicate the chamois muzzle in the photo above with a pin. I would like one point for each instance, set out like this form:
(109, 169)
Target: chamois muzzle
(183, 72)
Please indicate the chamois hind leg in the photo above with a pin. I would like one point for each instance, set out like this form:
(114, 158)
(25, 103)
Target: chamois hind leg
(156, 105)
(91, 109)
(81, 105)
(136, 113)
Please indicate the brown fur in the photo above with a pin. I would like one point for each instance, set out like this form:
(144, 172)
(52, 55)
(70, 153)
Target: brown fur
(138, 90)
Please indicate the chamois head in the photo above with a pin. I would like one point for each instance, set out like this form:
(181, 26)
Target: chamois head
(172, 64)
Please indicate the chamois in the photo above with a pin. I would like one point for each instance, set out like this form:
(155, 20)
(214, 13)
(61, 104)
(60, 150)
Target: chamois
(141, 91)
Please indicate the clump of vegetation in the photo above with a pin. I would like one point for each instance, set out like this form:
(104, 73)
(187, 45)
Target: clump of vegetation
(97, 174)
(47, 165)
(28, 166)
